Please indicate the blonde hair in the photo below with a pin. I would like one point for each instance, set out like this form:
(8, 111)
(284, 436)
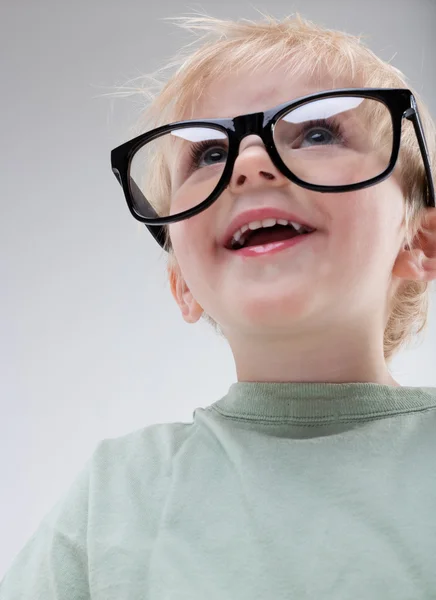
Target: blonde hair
(306, 48)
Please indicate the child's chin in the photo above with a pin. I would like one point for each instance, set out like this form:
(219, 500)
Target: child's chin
(272, 311)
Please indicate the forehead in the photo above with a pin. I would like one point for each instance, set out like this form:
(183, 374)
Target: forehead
(244, 92)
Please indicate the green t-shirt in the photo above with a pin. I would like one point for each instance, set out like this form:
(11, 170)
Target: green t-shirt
(277, 491)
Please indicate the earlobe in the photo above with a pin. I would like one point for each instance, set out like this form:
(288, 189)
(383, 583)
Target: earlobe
(419, 264)
(189, 307)
(427, 246)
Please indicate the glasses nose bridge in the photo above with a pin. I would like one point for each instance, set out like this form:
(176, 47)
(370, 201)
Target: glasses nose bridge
(251, 124)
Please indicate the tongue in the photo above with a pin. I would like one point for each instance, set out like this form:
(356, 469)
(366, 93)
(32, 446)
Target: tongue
(270, 234)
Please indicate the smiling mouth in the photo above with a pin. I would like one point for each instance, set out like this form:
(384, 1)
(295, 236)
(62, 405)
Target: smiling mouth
(268, 235)
(270, 248)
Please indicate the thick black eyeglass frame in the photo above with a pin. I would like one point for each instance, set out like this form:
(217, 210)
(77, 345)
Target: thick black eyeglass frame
(400, 102)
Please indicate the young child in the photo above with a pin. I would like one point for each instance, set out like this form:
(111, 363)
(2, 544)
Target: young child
(314, 476)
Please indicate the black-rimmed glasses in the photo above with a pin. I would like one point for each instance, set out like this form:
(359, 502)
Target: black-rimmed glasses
(332, 141)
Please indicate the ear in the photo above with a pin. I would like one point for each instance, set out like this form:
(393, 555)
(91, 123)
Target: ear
(421, 265)
(191, 310)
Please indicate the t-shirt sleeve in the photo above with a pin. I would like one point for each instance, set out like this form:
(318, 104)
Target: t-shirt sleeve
(53, 563)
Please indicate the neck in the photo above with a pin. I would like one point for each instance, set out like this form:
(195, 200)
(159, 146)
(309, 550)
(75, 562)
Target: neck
(338, 358)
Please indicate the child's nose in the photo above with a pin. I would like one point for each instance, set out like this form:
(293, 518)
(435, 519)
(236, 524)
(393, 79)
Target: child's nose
(253, 166)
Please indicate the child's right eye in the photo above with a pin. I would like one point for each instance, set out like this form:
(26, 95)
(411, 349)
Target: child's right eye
(205, 154)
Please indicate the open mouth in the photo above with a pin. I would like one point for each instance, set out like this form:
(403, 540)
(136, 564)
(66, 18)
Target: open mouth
(267, 235)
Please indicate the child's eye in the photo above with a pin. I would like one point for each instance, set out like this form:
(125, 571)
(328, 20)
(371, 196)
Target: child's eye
(205, 154)
(318, 137)
(322, 133)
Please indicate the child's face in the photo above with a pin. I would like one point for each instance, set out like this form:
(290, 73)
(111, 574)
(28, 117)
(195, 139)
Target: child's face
(343, 270)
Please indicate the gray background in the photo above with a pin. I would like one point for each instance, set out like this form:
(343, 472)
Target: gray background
(92, 343)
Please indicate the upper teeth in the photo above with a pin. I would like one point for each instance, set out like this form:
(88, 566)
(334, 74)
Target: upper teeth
(237, 236)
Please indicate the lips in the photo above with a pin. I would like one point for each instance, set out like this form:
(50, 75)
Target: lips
(259, 214)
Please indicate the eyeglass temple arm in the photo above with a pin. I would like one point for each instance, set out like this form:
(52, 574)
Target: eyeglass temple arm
(158, 232)
(412, 115)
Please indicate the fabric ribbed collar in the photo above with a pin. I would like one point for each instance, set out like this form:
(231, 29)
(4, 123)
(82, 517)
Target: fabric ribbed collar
(321, 403)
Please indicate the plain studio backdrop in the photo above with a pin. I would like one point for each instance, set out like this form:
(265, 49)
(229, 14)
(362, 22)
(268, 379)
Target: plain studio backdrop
(92, 343)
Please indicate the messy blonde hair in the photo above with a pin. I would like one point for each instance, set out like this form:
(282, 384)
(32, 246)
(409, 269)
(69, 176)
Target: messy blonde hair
(306, 48)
